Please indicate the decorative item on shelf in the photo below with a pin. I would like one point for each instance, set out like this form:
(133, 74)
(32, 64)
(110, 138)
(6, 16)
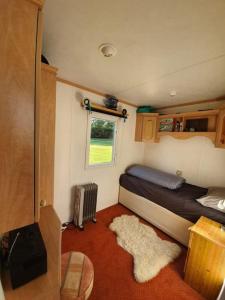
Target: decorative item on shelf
(91, 106)
(166, 124)
(111, 102)
(181, 126)
(145, 109)
(177, 127)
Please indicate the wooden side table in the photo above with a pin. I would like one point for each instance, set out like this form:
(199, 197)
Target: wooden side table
(205, 263)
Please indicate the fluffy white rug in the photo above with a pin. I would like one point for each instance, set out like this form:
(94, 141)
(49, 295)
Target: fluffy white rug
(150, 253)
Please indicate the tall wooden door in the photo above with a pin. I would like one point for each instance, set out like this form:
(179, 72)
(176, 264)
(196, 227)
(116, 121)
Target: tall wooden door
(18, 31)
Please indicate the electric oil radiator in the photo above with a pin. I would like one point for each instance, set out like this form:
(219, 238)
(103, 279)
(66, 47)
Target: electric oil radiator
(85, 204)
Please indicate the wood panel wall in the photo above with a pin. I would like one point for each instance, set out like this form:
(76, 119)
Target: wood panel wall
(47, 107)
(18, 30)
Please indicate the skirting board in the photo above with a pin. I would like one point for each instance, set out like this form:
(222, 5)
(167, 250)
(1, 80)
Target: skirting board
(162, 218)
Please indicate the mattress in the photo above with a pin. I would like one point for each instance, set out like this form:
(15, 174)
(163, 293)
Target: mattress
(181, 201)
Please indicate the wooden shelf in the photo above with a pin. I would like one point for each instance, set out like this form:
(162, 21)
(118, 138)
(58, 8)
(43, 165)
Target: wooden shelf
(187, 135)
(102, 109)
(213, 112)
(212, 128)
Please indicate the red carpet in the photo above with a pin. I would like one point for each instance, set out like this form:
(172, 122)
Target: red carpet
(113, 266)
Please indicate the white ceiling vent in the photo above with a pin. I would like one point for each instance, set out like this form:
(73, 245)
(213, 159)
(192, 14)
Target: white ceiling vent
(108, 50)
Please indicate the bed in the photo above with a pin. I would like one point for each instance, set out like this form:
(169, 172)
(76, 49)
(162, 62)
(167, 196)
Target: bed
(172, 211)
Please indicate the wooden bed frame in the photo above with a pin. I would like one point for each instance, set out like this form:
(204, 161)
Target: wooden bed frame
(165, 220)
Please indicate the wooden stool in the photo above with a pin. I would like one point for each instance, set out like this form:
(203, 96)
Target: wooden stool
(77, 276)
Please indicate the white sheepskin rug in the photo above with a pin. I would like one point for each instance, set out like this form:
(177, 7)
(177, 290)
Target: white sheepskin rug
(150, 253)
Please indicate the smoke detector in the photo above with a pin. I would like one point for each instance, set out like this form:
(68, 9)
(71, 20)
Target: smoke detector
(108, 50)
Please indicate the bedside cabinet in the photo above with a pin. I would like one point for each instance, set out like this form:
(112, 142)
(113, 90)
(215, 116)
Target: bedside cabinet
(205, 263)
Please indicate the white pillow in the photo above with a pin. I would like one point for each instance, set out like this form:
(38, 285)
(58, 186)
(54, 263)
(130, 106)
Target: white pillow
(215, 198)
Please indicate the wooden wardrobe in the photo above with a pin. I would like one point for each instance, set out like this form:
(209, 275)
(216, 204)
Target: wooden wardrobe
(20, 60)
(27, 134)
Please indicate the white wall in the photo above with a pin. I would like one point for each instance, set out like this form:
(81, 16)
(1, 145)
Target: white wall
(201, 163)
(71, 127)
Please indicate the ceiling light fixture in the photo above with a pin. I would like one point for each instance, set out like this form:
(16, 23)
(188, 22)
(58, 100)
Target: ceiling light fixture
(108, 50)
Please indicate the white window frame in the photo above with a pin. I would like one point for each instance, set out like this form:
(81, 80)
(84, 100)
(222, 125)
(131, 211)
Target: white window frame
(106, 118)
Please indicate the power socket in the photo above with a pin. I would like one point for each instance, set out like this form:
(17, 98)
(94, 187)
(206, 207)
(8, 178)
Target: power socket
(179, 173)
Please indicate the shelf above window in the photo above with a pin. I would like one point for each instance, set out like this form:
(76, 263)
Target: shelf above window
(102, 109)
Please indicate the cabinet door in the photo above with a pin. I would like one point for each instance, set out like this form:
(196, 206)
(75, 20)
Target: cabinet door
(18, 25)
(139, 127)
(205, 266)
(220, 139)
(148, 129)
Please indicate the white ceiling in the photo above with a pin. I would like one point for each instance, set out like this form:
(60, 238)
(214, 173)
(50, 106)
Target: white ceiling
(163, 45)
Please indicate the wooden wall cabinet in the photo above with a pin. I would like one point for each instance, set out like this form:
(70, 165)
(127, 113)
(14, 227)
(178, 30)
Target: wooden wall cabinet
(205, 264)
(47, 107)
(199, 116)
(19, 51)
(220, 137)
(146, 127)
(213, 122)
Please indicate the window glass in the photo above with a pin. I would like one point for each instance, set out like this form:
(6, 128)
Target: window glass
(101, 141)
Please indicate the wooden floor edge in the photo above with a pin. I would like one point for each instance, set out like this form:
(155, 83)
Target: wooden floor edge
(82, 87)
(222, 98)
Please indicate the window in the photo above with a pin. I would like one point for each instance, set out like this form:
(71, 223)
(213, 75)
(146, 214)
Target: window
(101, 140)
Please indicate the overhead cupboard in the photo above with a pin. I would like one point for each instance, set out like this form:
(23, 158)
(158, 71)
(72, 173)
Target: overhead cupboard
(146, 127)
(150, 127)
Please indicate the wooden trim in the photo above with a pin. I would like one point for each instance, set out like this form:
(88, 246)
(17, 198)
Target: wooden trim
(37, 117)
(39, 3)
(82, 87)
(193, 114)
(222, 98)
(47, 111)
(148, 114)
(49, 68)
(187, 135)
